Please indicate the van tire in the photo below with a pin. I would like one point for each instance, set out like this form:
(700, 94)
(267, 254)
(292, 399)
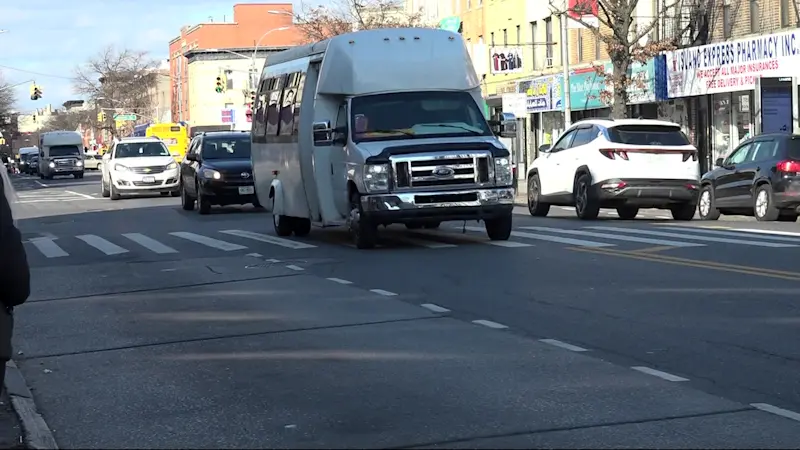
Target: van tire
(586, 206)
(302, 226)
(282, 224)
(363, 232)
(499, 228)
(683, 211)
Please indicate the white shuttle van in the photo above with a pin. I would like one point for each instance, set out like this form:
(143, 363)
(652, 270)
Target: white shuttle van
(378, 127)
(60, 153)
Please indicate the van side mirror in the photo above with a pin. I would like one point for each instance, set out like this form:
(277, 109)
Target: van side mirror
(322, 133)
(545, 148)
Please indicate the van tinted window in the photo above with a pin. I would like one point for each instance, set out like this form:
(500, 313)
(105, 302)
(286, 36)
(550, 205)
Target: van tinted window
(64, 150)
(647, 135)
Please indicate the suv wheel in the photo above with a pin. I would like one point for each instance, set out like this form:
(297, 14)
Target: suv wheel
(763, 208)
(586, 206)
(684, 211)
(706, 206)
(536, 207)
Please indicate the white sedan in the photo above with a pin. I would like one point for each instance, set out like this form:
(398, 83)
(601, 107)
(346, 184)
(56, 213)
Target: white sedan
(139, 166)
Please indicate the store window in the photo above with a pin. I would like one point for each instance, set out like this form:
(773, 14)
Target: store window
(732, 121)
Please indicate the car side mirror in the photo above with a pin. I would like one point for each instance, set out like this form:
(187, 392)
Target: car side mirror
(719, 162)
(106, 156)
(191, 157)
(545, 148)
(322, 133)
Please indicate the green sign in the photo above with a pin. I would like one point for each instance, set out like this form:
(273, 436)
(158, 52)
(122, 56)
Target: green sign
(452, 23)
(125, 117)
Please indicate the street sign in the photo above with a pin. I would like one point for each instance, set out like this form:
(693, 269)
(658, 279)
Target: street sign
(125, 117)
(228, 115)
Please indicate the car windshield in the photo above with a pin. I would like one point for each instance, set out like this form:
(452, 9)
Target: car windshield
(226, 148)
(648, 135)
(140, 149)
(65, 150)
(401, 115)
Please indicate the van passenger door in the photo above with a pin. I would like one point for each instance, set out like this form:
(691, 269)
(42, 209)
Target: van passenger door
(339, 161)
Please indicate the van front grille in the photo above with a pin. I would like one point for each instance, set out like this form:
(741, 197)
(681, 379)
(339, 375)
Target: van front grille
(441, 171)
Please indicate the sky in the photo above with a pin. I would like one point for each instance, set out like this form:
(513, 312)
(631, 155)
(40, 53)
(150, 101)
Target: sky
(45, 40)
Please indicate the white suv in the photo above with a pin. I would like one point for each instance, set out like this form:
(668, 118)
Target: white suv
(139, 165)
(624, 164)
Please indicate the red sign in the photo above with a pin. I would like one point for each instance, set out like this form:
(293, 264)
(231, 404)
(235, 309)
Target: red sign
(579, 8)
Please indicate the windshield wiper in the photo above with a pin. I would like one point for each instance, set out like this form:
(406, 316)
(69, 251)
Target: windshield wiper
(392, 131)
(460, 127)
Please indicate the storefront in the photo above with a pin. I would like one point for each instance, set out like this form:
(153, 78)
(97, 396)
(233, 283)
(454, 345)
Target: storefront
(545, 111)
(591, 96)
(721, 78)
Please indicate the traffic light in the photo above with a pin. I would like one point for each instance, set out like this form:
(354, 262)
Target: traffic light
(36, 92)
(101, 117)
(252, 99)
(221, 82)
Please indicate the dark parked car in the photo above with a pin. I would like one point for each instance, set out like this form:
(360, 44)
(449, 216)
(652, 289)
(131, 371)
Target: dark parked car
(760, 178)
(217, 171)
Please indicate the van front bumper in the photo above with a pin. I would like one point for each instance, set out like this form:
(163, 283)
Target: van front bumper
(470, 204)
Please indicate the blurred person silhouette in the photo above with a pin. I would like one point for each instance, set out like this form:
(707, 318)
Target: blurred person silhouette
(15, 277)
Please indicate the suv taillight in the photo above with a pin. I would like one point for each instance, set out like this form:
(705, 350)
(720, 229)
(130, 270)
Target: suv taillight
(611, 153)
(690, 154)
(788, 166)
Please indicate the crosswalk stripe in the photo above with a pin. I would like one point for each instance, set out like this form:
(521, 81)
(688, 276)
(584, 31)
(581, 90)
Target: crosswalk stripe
(699, 238)
(48, 247)
(616, 237)
(544, 237)
(207, 241)
(150, 243)
(743, 233)
(472, 239)
(269, 239)
(107, 247)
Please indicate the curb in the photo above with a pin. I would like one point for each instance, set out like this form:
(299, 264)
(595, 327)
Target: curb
(36, 433)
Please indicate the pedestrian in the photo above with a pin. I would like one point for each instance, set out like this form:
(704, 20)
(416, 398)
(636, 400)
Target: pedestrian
(15, 277)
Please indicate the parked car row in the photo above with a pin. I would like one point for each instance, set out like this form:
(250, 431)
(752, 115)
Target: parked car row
(632, 164)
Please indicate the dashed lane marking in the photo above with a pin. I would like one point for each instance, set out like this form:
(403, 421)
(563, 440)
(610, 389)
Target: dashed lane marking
(434, 307)
(564, 345)
(339, 280)
(659, 374)
(490, 324)
(766, 407)
(382, 292)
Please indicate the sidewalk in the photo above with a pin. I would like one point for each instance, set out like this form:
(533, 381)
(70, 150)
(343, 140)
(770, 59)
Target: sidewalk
(10, 430)
(295, 361)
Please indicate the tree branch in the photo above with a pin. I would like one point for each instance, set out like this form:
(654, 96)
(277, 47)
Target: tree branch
(7, 99)
(344, 16)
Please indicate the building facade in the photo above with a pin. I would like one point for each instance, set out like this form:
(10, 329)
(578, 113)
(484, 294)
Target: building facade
(237, 69)
(262, 25)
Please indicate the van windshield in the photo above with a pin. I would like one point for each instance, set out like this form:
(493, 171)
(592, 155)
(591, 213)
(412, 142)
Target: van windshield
(65, 150)
(401, 115)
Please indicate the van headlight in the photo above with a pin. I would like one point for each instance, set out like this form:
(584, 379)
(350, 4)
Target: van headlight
(376, 177)
(213, 174)
(78, 163)
(52, 165)
(503, 175)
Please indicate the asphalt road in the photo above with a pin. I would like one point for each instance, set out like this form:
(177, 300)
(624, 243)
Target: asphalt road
(153, 326)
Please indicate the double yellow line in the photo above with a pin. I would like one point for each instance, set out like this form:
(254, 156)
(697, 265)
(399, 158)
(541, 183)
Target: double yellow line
(647, 255)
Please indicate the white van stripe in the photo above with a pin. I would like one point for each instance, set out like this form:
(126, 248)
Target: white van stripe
(48, 247)
(150, 243)
(544, 237)
(107, 247)
(699, 238)
(616, 237)
(765, 234)
(208, 242)
(268, 239)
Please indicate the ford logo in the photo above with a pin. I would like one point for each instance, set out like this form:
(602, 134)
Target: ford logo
(245, 175)
(443, 171)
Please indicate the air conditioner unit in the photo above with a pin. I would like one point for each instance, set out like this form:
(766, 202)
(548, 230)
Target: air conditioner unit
(548, 62)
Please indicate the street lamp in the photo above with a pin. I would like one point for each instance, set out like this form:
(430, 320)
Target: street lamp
(262, 38)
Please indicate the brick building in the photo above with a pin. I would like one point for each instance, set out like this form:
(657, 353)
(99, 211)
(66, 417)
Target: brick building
(251, 23)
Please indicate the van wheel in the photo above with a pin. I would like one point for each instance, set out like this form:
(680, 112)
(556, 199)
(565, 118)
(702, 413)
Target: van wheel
(684, 211)
(282, 224)
(104, 189)
(499, 228)
(363, 232)
(763, 208)
(301, 226)
(586, 206)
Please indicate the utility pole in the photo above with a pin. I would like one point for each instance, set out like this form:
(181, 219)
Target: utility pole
(565, 66)
(179, 74)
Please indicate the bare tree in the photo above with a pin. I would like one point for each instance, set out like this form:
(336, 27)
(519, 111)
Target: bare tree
(7, 99)
(117, 81)
(631, 39)
(344, 16)
(69, 120)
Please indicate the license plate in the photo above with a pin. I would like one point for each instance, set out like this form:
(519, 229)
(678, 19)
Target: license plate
(246, 190)
(149, 179)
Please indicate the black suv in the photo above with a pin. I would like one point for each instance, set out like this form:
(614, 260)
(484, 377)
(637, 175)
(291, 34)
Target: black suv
(217, 171)
(760, 178)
